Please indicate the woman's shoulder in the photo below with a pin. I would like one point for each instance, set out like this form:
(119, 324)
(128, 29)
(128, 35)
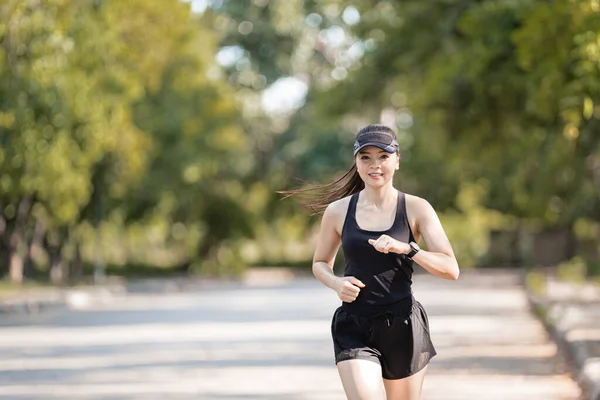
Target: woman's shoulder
(336, 213)
(417, 204)
(339, 207)
(414, 198)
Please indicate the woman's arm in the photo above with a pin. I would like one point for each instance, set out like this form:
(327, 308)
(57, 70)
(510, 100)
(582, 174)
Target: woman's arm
(439, 258)
(328, 243)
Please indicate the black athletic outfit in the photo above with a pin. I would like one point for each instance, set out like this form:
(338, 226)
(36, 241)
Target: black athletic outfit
(385, 323)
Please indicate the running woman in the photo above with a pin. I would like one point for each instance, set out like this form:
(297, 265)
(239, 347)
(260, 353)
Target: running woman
(380, 332)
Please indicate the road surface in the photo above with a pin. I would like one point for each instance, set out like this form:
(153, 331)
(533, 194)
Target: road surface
(272, 342)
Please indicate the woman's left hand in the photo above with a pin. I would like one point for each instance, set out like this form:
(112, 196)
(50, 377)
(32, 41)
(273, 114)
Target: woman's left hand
(386, 244)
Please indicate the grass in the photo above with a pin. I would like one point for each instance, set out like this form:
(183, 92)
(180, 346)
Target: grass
(541, 312)
(305, 264)
(9, 287)
(131, 271)
(579, 270)
(536, 282)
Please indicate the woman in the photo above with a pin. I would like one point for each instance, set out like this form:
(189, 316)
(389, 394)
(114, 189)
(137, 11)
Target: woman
(380, 330)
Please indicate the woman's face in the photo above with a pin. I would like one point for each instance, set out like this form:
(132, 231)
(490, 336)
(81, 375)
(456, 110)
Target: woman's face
(375, 166)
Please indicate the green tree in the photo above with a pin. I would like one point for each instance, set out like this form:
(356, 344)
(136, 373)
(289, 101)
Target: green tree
(82, 86)
(503, 91)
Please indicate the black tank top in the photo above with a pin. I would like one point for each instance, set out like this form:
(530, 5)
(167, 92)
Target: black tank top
(387, 277)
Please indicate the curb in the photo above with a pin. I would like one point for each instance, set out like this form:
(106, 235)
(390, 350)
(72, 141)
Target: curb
(586, 368)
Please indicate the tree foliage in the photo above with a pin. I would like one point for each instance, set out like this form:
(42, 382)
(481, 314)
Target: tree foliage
(501, 92)
(123, 119)
(108, 107)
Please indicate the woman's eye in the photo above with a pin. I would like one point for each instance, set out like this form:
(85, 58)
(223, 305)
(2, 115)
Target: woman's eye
(364, 158)
(385, 156)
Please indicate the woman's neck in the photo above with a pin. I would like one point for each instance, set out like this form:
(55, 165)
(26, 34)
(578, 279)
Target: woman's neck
(380, 198)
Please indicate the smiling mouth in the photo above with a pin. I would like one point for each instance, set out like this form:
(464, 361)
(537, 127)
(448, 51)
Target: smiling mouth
(375, 175)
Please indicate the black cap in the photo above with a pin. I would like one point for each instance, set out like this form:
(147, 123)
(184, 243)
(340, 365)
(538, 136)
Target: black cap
(382, 140)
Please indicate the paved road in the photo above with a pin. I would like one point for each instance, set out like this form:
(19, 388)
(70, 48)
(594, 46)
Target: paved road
(272, 342)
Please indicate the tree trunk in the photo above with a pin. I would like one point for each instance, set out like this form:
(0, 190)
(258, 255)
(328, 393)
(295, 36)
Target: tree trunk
(17, 241)
(57, 268)
(34, 245)
(76, 270)
(4, 250)
(571, 242)
(16, 267)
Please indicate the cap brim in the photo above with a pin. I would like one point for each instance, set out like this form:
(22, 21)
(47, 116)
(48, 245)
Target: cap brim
(390, 148)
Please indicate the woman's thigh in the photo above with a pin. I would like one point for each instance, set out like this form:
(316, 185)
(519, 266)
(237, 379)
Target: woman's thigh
(407, 388)
(361, 379)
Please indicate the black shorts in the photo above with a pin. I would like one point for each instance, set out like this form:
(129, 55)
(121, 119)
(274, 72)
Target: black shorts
(397, 338)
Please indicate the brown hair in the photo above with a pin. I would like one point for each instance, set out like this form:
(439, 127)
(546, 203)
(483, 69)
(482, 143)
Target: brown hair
(316, 198)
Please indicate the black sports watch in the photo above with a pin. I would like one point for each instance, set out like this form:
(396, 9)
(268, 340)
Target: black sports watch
(414, 249)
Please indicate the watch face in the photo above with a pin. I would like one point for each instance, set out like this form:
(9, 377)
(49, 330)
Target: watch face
(415, 246)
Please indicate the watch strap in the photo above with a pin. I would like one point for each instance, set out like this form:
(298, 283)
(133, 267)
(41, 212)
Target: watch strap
(413, 250)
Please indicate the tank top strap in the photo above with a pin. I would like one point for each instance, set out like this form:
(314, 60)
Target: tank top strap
(350, 220)
(402, 215)
(400, 209)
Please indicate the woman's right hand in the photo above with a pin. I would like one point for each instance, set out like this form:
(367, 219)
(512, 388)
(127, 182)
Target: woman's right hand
(348, 288)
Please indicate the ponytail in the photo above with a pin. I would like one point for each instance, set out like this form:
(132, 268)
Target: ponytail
(317, 197)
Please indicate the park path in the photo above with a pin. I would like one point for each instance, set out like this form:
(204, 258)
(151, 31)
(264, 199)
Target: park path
(270, 340)
(490, 345)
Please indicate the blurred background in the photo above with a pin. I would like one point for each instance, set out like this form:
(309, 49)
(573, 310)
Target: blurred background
(150, 137)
